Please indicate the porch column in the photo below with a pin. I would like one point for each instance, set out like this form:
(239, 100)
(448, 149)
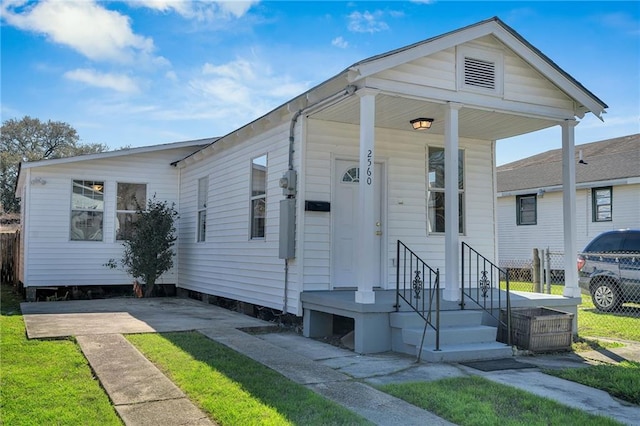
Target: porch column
(366, 255)
(451, 230)
(571, 288)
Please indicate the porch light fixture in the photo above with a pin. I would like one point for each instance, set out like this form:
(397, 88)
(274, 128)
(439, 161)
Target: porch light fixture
(421, 123)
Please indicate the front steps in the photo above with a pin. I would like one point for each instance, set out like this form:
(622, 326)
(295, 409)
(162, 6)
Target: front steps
(463, 337)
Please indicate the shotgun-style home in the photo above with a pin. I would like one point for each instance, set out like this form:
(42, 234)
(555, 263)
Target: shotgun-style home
(372, 197)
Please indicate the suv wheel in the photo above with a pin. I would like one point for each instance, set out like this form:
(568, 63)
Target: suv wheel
(605, 296)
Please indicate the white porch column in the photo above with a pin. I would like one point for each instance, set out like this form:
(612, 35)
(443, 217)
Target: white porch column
(451, 230)
(571, 288)
(366, 255)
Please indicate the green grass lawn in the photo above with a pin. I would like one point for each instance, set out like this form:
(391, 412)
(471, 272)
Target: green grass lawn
(234, 389)
(471, 401)
(621, 380)
(46, 382)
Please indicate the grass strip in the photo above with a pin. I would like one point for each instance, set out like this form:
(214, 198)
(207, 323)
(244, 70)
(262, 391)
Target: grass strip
(471, 401)
(621, 380)
(46, 382)
(234, 389)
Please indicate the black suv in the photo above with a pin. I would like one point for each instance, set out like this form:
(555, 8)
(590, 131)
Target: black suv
(609, 268)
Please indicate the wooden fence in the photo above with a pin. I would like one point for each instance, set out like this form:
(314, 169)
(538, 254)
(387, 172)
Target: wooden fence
(10, 257)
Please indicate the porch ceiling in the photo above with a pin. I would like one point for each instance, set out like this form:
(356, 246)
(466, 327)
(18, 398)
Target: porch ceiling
(394, 112)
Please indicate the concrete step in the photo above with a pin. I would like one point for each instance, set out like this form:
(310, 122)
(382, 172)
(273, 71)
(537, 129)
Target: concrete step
(447, 319)
(450, 335)
(466, 352)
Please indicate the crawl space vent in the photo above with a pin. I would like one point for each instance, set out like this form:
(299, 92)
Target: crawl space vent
(479, 73)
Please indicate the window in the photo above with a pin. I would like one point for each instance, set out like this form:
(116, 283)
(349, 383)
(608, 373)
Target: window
(131, 198)
(601, 204)
(435, 196)
(258, 196)
(527, 209)
(203, 191)
(87, 209)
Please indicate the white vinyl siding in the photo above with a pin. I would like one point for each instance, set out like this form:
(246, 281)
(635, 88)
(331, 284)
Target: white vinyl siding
(50, 255)
(517, 242)
(231, 265)
(404, 196)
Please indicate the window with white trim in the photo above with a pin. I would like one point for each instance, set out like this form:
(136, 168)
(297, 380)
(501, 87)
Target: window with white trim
(602, 203)
(203, 192)
(87, 210)
(436, 191)
(527, 209)
(131, 197)
(258, 196)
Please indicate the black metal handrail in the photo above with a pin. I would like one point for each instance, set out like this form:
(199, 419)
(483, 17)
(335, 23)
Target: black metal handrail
(481, 284)
(419, 286)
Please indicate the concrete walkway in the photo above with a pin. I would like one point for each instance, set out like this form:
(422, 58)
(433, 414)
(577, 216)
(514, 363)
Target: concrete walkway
(143, 395)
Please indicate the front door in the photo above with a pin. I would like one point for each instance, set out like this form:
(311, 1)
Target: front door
(345, 214)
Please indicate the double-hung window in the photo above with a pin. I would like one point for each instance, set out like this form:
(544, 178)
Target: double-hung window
(203, 191)
(87, 210)
(258, 196)
(527, 206)
(436, 191)
(131, 197)
(601, 199)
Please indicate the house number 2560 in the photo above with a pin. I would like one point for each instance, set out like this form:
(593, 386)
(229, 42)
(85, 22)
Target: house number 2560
(369, 164)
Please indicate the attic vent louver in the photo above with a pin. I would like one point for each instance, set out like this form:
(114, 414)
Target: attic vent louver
(479, 73)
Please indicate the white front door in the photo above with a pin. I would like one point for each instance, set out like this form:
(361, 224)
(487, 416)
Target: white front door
(344, 211)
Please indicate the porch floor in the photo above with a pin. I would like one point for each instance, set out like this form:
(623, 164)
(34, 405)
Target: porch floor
(372, 324)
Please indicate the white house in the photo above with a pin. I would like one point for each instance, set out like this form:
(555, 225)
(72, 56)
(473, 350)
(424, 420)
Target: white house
(313, 197)
(530, 197)
(74, 209)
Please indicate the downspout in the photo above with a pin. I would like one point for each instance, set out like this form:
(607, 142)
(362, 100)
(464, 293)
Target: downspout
(347, 91)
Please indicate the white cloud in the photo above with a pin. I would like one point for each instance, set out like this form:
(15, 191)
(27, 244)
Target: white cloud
(367, 22)
(201, 10)
(240, 90)
(340, 42)
(90, 29)
(118, 82)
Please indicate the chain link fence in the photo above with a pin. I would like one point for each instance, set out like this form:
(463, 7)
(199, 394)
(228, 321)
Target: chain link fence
(609, 283)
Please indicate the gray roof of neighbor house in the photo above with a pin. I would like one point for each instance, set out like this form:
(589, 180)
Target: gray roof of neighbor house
(607, 160)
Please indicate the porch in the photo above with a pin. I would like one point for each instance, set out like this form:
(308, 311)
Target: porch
(465, 334)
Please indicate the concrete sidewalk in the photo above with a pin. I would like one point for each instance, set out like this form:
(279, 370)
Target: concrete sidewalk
(142, 392)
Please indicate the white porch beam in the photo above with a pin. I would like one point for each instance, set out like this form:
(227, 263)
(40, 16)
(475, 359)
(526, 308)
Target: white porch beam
(451, 243)
(366, 255)
(571, 288)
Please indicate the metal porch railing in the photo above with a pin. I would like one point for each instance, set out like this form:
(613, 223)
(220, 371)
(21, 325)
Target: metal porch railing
(483, 283)
(419, 286)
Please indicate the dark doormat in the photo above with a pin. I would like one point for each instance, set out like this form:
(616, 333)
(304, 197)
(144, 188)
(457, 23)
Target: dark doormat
(498, 364)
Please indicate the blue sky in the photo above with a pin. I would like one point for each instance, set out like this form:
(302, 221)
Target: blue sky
(143, 72)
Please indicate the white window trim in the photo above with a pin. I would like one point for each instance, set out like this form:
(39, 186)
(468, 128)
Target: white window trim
(484, 54)
(252, 197)
(202, 209)
(461, 203)
(144, 206)
(518, 209)
(72, 209)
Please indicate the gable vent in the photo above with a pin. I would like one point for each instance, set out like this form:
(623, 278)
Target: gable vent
(479, 73)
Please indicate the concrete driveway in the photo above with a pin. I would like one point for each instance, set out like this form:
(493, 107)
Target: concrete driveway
(127, 315)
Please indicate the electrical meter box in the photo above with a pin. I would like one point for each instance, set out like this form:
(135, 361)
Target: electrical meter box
(287, 228)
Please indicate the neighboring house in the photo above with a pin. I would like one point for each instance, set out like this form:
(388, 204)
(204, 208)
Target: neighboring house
(530, 197)
(312, 197)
